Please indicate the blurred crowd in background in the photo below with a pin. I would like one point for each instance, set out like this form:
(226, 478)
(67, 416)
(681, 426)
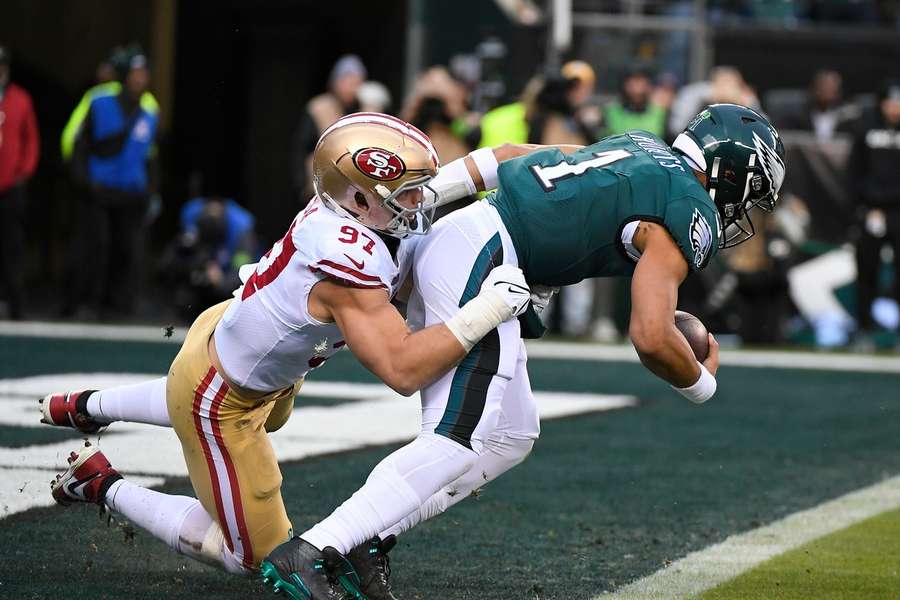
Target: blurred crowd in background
(819, 271)
(884, 12)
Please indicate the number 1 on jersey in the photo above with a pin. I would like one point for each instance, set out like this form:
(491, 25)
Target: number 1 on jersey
(548, 176)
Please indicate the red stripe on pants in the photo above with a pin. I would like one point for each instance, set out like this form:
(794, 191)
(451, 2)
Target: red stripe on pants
(246, 546)
(213, 474)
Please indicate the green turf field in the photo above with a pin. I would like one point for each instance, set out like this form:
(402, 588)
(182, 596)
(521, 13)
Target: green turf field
(604, 499)
(856, 563)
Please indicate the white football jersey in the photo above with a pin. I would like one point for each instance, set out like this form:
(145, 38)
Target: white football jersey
(267, 340)
(406, 256)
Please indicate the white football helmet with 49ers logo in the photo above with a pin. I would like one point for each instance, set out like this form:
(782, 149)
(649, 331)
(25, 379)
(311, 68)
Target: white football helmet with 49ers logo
(372, 168)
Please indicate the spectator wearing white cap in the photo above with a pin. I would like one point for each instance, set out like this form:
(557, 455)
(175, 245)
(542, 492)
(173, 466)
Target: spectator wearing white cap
(374, 96)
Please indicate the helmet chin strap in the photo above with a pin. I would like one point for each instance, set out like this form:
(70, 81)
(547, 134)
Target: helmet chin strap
(337, 208)
(352, 213)
(403, 222)
(346, 212)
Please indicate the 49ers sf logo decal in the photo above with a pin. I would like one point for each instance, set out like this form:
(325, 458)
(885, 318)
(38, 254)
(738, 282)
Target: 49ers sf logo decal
(378, 163)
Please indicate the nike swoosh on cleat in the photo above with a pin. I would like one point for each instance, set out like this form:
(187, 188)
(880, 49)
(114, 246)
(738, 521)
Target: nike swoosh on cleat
(79, 484)
(359, 265)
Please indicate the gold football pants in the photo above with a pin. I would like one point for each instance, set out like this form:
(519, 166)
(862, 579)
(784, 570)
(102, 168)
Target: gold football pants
(228, 453)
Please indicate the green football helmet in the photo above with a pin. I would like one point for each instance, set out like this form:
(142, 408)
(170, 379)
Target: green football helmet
(743, 158)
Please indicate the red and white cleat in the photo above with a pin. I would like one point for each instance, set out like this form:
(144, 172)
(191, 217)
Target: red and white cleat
(87, 479)
(69, 409)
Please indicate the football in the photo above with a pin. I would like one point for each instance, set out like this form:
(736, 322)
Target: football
(694, 332)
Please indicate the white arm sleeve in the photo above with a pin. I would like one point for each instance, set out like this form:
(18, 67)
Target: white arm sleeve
(453, 180)
(452, 183)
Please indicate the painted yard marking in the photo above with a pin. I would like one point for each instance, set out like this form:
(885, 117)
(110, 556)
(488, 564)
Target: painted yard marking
(379, 416)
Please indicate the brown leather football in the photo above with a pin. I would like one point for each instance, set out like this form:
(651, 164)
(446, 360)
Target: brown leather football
(694, 331)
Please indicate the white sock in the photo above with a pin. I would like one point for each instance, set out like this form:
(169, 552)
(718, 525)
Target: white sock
(138, 403)
(162, 515)
(501, 454)
(397, 486)
(180, 522)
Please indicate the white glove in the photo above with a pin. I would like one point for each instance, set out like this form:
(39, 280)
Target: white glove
(509, 282)
(504, 295)
(540, 296)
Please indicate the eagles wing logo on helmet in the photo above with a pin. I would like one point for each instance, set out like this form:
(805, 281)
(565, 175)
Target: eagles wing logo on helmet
(379, 163)
(701, 238)
(771, 163)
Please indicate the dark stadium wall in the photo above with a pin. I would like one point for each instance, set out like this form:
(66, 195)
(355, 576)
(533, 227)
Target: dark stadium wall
(778, 58)
(244, 74)
(56, 48)
(231, 76)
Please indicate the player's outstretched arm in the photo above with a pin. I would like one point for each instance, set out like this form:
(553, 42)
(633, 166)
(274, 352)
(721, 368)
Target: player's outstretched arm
(378, 336)
(477, 171)
(654, 297)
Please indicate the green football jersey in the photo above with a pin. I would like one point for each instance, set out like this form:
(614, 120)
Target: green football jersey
(566, 213)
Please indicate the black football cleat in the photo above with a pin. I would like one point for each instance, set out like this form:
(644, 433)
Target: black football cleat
(371, 562)
(303, 572)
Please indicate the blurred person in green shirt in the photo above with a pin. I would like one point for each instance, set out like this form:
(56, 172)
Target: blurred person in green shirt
(636, 107)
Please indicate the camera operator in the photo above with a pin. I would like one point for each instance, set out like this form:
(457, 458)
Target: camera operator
(201, 265)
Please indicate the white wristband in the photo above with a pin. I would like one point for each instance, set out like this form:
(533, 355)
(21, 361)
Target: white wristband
(702, 390)
(452, 182)
(478, 317)
(487, 165)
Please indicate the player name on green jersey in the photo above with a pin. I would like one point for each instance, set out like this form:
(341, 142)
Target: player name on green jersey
(566, 213)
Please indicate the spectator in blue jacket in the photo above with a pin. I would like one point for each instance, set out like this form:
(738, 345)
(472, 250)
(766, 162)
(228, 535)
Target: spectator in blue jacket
(114, 158)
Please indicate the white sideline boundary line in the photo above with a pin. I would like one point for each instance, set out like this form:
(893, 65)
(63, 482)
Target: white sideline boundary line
(705, 569)
(92, 331)
(536, 349)
(773, 359)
